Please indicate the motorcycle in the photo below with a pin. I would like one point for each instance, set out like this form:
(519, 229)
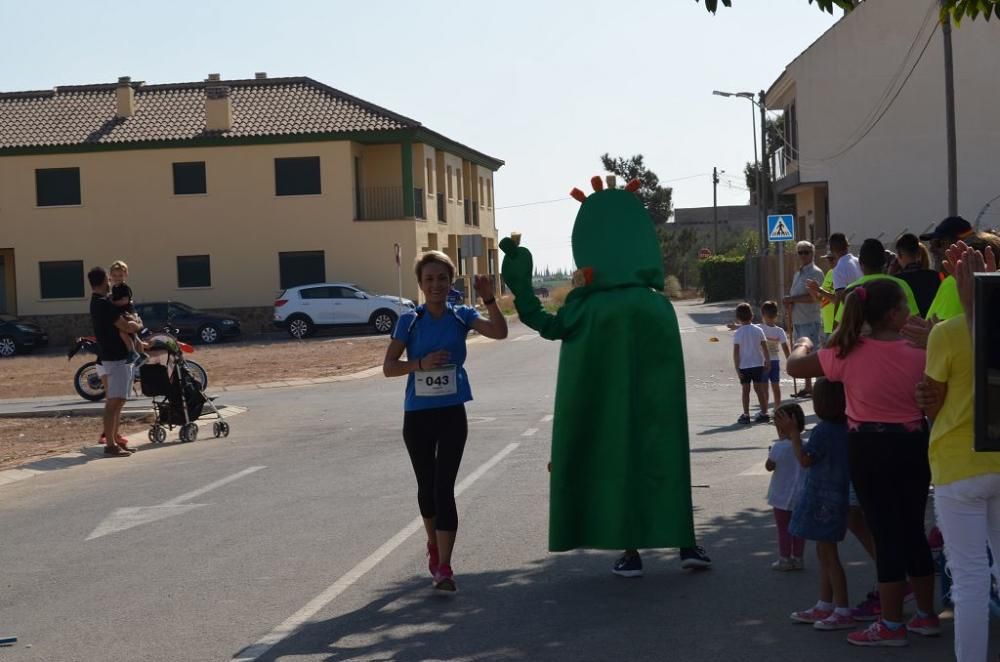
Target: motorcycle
(88, 383)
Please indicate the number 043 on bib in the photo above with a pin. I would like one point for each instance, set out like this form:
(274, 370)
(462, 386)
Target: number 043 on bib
(437, 382)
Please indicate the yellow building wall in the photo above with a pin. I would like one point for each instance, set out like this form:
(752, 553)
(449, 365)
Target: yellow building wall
(129, 212)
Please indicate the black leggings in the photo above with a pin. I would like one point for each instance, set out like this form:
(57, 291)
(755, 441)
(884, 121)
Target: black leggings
(891, 475)
(435, 440)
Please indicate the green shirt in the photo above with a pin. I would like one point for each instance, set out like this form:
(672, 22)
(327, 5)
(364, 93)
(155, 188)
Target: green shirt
(910, 299)
(826, 311)
(946, 303)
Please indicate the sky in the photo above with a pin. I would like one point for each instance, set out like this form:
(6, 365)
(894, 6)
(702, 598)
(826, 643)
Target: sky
(546, 86)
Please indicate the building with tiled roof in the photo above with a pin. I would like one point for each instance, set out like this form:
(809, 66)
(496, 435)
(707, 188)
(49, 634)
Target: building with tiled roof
(262, 183)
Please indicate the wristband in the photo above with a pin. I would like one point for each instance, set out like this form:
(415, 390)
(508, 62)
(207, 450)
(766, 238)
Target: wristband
(490, 301)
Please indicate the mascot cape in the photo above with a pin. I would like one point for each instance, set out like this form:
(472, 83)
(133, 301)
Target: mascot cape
(621, 477)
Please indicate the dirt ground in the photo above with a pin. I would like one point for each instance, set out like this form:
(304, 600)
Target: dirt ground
(227, 364)
(24, 440)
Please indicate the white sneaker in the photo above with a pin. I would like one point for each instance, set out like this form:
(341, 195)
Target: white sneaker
(797, 563)
(783, 565)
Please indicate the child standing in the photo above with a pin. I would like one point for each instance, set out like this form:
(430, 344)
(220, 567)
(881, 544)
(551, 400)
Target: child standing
(887, 448)
(750, 356)
(121, 296)
(821, 510)
(777, 342)
(786, 481)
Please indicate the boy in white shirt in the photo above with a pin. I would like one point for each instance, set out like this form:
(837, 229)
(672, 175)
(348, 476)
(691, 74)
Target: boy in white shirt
(777, 342)
(750, 356)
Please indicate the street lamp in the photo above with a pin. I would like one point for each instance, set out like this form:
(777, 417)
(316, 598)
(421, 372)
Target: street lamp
(756, 163)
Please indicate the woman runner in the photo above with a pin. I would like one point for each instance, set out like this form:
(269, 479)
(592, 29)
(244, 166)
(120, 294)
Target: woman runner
(437, 388)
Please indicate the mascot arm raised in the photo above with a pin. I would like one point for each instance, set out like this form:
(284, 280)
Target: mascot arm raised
(517, 269)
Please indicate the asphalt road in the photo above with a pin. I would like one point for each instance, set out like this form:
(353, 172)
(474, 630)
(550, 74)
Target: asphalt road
(295, 539)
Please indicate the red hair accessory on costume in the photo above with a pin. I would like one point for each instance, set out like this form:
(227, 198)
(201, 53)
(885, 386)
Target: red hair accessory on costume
(861, 292)
(633, 186)
(578, 195)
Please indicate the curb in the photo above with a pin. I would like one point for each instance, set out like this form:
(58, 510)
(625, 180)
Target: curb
(87, 454)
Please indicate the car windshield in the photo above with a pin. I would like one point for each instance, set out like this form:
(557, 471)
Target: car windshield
(362, 288)
(180, 308)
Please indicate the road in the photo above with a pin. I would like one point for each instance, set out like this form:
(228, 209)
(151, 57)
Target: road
(295, 539)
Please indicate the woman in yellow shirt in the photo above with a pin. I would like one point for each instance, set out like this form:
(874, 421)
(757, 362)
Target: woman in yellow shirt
(967, 484)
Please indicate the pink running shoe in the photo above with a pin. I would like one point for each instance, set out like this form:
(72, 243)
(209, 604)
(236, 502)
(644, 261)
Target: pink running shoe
(811, 615)
(433, 559)
(444, 579)
(929, 626)
(835, 621)
(878, 634)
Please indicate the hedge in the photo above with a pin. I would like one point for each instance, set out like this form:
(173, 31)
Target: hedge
(723, 278)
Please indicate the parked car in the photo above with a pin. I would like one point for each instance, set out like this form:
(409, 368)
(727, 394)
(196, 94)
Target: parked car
(17, 337)
(190, 324)
(303, 309)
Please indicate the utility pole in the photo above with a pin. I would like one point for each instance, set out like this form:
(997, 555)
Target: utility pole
(764, 178)
(715, 210)
(949, 99)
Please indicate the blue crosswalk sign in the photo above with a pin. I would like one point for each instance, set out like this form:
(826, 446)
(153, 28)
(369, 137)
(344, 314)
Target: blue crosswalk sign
(781, 227)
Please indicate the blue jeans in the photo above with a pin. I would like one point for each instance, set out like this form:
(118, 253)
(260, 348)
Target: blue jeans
(813, 331)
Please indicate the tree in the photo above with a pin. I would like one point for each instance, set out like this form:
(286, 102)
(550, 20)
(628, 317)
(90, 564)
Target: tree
(680, 255)
(657, 199)
(954, 9)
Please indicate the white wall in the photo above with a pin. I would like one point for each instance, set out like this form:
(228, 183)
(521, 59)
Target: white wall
(896, 177)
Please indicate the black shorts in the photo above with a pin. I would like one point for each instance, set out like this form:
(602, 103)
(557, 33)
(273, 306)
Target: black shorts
(755, 375)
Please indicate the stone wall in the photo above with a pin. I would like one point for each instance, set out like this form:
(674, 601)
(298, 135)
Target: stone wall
(64, 329)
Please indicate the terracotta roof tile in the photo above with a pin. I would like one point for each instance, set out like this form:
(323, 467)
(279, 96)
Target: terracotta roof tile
(86, 114)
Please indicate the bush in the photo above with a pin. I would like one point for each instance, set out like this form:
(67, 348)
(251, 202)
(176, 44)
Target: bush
(723, 278)
(672, 288)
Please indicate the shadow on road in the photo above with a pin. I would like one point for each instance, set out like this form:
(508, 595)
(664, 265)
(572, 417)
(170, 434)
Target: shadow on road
(570, 607)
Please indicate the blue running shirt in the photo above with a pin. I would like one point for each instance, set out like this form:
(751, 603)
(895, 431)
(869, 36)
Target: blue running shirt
(423, 334)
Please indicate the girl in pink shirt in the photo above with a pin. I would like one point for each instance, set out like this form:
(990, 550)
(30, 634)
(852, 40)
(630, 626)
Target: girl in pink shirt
(887, 440)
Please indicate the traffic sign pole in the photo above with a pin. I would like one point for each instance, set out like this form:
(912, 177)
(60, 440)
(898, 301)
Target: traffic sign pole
(780, 229)
(399, 276)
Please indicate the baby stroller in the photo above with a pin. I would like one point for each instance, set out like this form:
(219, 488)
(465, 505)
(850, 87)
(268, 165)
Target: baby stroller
(178, 399)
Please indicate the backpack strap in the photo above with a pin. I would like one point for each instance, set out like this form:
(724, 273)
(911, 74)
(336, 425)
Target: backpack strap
(422, 309)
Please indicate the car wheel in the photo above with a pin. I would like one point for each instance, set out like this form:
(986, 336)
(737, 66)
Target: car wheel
(208, 334)
(300, 327)
(383, 321)
(7, 346)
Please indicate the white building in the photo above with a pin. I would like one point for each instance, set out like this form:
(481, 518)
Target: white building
(865, 123)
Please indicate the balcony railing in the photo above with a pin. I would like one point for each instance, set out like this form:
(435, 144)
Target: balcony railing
(379, 203)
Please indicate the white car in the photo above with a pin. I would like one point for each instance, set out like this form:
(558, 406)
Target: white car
(303, 309)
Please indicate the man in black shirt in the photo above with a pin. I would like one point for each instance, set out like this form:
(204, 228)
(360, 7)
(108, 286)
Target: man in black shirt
(108, 321)
(923, 281)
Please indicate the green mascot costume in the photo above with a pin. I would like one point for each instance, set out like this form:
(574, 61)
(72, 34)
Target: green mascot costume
(620, 472)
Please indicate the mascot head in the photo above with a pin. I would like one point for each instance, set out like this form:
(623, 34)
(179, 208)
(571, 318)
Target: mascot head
(614, 242)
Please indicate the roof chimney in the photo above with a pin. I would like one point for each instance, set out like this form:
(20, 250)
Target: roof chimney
(213, 78)
(260, 75)
(125, 97)
(218, 108)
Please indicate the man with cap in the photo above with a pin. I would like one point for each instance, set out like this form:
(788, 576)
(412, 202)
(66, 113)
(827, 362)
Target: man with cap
(946, 304)
(806, 322)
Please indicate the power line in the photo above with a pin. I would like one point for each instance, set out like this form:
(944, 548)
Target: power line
(884, 111)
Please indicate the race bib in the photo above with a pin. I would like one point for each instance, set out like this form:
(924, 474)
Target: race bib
(437, 382)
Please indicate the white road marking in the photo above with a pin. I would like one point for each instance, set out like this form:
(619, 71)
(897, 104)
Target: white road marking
(547, 418)
(126, 518)
(481, 419)
(530, 432)
(756, 470)
(529, 336)
(302, 616)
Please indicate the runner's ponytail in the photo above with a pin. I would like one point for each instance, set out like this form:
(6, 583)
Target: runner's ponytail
(865, 304)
